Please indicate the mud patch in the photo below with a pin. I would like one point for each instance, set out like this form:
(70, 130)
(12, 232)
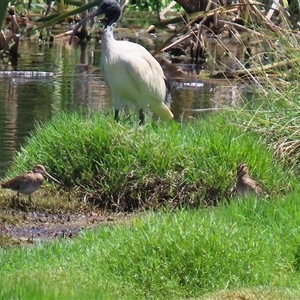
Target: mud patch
(35, 226)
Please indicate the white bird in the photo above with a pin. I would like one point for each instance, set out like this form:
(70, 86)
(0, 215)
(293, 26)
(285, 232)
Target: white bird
(133, 75)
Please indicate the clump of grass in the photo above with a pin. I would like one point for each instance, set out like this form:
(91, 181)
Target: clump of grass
(123, 167)
(277, 121)
(8, 242)
(261, 293)
(49, 198)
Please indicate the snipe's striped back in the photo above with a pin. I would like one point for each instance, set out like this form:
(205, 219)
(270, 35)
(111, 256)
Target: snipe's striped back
(245, 184)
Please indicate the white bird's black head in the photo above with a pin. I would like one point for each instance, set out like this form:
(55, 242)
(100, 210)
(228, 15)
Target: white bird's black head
(112, 11)
(110, 8)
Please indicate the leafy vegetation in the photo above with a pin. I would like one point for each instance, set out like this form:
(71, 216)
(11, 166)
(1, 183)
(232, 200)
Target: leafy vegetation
(3, 7)
(152, 5)
(124, 168)
(278, 121)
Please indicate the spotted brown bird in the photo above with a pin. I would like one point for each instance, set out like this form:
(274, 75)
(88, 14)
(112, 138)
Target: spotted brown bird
(244, 183)
(28, 182)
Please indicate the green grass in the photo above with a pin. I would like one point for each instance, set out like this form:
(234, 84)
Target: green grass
(128, 167)
(186, 253)
(182, 254)
(277, 121)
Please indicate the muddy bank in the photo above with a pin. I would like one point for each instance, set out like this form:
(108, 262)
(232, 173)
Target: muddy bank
(30, 227)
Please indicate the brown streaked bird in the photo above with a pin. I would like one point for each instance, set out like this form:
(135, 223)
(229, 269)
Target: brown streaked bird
(244, 183)
(28, 182)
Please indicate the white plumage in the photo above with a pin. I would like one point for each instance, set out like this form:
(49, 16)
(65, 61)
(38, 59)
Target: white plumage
(133, 75)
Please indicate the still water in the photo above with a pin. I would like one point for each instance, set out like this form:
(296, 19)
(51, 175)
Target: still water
(48, 80)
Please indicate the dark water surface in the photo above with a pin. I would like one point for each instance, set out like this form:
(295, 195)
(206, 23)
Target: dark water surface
(48, 80)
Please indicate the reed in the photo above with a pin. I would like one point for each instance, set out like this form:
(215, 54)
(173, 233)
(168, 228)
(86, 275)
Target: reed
(3, 9)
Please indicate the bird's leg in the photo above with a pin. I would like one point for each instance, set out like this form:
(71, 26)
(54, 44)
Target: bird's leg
(16, 200)
(30, 201)
(116, 115)
(142, 117)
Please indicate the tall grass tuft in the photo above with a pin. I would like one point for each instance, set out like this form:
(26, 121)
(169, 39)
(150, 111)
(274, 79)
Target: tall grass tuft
(172, 163)
(277, 121)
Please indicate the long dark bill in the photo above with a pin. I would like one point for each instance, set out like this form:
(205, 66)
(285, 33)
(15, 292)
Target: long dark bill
(52, 178)
(79, 24)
